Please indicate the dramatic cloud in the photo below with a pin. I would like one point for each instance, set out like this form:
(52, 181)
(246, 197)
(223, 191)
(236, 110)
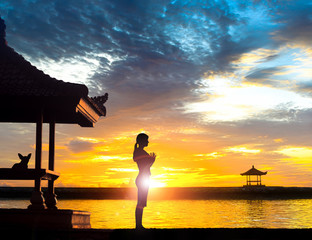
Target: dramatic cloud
(218, 85)
(156, 48)
(78, 146)
(296, 29)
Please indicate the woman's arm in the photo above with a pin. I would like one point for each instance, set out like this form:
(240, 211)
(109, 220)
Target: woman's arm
(152, 158)
(140, 155)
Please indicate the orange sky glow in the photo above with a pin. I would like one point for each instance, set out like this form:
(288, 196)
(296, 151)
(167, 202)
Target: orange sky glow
(217, 86)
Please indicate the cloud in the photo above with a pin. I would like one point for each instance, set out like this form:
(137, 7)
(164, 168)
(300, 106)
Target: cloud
(154, 50)
(264, 131)
(243, 150)
(295, 18)
(153, 58)
(78, 146)
(305, 87)
(265, 76)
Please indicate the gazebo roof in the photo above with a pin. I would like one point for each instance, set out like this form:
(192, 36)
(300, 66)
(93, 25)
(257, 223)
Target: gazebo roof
(254, 171)
(25, 90)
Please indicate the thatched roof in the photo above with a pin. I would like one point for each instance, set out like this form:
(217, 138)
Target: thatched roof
(254, 171)
(25, 90)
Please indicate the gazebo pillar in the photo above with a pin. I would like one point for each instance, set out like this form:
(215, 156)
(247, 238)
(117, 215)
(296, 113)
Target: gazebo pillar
(53, 101)
(37, 200)
(51, 197)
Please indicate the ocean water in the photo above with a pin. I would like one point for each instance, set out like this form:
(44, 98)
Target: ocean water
(113, 214)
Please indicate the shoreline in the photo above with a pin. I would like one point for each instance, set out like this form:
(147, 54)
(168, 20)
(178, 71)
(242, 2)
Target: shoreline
(151, 234)
(186, 193)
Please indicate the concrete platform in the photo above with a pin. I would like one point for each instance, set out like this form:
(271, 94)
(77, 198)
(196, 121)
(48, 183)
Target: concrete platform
(45, 219)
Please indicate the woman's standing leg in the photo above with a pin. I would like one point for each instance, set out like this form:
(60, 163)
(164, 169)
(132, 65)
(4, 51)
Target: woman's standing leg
(142, 199)
(138, 217)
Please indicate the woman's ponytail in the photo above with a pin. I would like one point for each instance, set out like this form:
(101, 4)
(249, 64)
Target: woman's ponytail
(136, 146)
(139, 139)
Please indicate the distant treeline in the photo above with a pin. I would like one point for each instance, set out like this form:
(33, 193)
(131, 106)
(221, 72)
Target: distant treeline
(191, 193)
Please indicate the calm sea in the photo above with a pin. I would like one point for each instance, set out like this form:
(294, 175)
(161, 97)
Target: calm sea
(113, 214)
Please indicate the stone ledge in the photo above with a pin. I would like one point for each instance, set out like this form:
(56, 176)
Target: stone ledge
(47, 219)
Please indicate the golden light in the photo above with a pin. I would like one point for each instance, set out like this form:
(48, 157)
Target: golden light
(301, 155)
(152, 183)
(230, 99)
(241, 149)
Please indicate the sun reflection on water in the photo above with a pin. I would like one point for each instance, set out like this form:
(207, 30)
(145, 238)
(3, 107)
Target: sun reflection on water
(113, 214)
(199, 213)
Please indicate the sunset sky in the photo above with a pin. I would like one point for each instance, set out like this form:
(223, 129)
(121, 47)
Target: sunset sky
(218, 86)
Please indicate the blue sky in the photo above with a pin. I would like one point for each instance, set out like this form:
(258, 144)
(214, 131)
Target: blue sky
(232, 74)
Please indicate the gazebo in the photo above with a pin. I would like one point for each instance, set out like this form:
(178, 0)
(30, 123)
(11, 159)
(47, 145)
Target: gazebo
(28, 95)
(253, 172)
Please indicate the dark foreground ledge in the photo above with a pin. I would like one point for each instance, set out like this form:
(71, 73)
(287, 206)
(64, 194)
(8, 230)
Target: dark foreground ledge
(153, 234)
(52, 219)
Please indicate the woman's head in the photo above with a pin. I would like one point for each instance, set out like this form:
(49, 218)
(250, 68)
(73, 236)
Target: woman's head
(142, 140)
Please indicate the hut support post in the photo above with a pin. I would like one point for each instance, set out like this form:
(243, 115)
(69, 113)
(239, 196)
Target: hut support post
(51, 197)
(37, 200)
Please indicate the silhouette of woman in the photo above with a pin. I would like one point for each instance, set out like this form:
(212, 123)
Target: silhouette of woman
(144, 162)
